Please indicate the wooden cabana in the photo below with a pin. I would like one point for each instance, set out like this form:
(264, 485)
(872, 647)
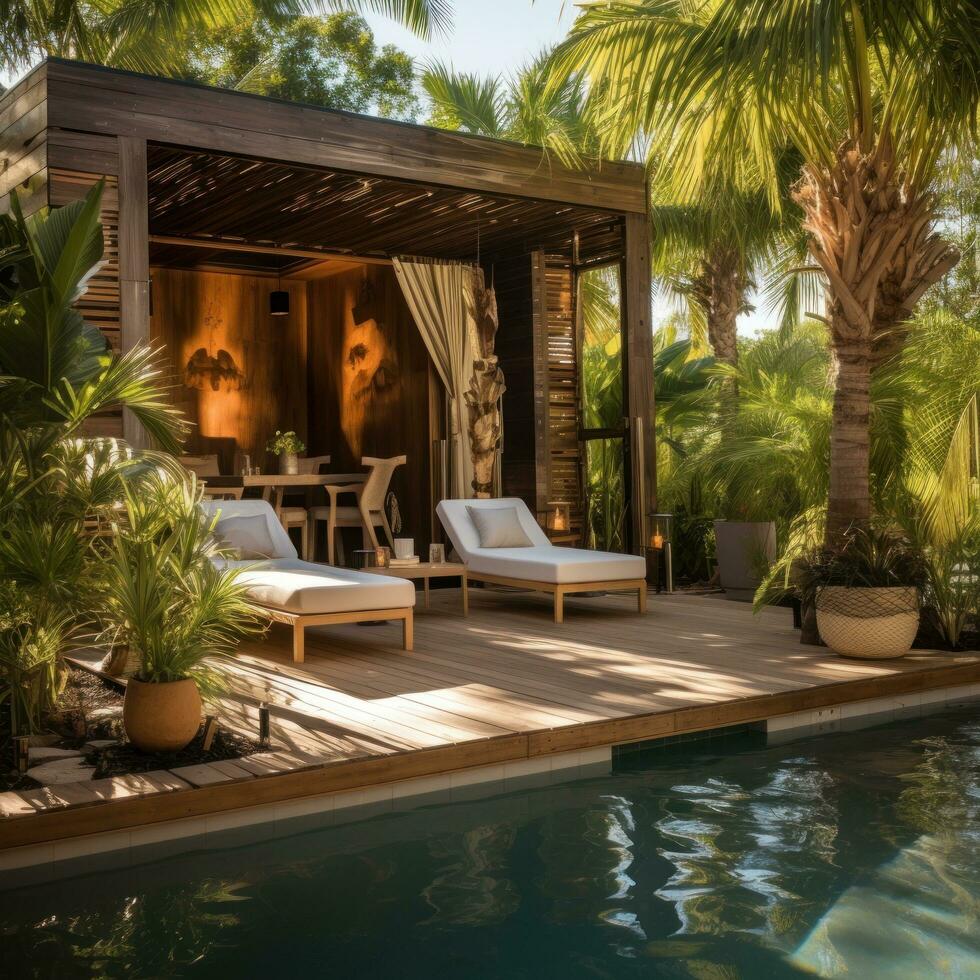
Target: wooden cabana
(215, 199)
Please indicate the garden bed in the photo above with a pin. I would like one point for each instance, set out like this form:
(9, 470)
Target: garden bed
(86, 741)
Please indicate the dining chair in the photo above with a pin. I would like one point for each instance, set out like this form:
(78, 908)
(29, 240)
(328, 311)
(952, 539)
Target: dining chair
(292, 514)
(221, 493)
(201, 465)
(369, 510)
(290, 517)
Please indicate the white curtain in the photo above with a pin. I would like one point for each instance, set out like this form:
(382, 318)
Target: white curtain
(437, 293)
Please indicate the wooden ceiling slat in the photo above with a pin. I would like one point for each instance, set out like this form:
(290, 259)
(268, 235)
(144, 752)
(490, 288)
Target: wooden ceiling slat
(245, 201)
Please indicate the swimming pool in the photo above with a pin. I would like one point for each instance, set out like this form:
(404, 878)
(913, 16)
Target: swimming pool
(846, 854)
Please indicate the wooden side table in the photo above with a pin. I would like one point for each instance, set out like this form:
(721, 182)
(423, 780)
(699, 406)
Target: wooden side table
(426, 570)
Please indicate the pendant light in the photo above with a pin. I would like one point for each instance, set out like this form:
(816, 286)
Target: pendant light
(279, 300)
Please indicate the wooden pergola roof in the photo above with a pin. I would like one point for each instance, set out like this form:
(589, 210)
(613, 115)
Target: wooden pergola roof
(222, 199)
(92, 99)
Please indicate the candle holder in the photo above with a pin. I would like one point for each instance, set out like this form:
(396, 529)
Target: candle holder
(660, 551)
(559, 517)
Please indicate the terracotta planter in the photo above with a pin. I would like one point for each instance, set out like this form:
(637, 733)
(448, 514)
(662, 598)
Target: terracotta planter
(870, 624)
(745, 550)
(288, 464)
(161, 717)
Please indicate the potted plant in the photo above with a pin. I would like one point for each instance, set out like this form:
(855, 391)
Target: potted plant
(171, 602)
(866, 593)
(287, 446)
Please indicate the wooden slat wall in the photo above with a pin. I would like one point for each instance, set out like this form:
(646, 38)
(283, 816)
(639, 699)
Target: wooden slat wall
(563, 411)
(23, 142)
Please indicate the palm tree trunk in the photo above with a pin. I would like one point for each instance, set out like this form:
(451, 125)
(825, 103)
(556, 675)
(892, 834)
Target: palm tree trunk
(849, 501)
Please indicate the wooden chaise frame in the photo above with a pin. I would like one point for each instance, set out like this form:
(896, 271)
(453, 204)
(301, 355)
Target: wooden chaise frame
(561, 589)
(299, 622)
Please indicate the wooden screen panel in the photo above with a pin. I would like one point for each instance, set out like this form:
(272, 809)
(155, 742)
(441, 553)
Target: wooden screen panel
(563, 410)
(213, 312)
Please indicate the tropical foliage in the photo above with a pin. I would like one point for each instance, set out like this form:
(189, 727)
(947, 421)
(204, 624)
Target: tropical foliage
(152, 35)
(56, 488)
(528, 107)
(328, 61)
(160, 590)
(869, 97)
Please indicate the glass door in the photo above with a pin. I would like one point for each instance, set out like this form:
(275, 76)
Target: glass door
(603, 392)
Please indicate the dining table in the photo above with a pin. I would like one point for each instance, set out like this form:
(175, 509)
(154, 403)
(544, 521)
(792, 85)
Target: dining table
(272, 480)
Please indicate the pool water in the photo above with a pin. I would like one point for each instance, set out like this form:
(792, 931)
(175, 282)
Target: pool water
(852, 854)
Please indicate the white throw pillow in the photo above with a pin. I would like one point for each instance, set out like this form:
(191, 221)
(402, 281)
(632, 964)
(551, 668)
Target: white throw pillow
(499, 527)
(249, 536)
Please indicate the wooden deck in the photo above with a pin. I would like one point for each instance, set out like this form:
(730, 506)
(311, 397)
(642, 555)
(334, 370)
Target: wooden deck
(508, 674)
(504, 685)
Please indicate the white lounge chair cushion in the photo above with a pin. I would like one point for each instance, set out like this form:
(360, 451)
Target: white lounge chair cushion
(229, 510)
(544, 562)
(499, 527)
(248, 536)
(305, 587)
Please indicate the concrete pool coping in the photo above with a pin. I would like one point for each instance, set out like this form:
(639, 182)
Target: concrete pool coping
(151, 826)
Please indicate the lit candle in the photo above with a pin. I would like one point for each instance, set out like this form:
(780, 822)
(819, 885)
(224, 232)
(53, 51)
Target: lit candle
(658, 540)
(559, 522)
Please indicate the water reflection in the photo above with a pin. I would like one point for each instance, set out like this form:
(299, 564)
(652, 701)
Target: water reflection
(845, 855)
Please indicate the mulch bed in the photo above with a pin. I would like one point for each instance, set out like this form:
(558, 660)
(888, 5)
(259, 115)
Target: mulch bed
(85, 693)
(122, 759)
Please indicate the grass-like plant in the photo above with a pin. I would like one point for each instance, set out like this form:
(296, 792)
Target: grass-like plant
(161, 591)
(864, 558)
(57, 487)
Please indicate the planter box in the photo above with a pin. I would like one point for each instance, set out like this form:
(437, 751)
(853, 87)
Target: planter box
(745, 550)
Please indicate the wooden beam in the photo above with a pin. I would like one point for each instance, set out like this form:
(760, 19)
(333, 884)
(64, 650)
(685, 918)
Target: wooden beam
(639, 369)
(216, 244)
(134, 261)
(93, 99)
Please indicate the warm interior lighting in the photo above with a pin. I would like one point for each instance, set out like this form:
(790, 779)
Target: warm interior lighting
(217, 372)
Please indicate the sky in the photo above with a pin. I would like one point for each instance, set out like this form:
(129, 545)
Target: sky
(487, 36)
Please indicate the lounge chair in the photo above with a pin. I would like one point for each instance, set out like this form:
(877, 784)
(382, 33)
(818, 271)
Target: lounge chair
(539, 565)
(302, 593)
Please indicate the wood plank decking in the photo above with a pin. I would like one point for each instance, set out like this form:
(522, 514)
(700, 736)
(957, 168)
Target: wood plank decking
(606, 675)
(503, 685)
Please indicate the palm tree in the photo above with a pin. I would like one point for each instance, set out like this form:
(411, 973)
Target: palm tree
(871, 96)
(140, 34)
(527, 108)
(711, 237)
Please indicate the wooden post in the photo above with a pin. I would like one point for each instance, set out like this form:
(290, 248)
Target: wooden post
(134, 261)
(539, 347)
(639, 369)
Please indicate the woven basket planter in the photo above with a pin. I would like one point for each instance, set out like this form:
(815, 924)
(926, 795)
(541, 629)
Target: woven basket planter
(872, 624)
